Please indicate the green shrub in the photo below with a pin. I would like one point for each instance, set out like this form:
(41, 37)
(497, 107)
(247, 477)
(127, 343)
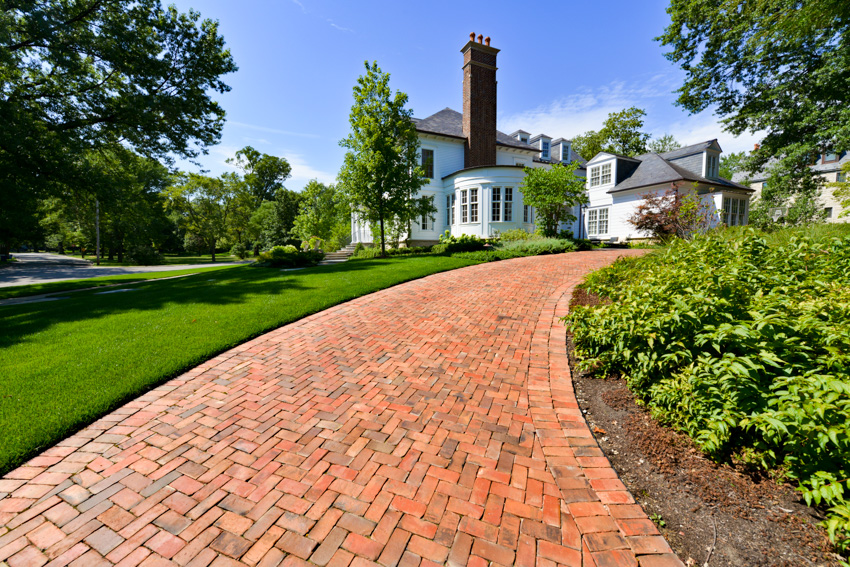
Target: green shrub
(289, 257)
(518, 234)
(376, 252)
(144, 256)
(359, 247)
(741, 341)
(361, 252)
(583, 245)
(539, 246)
(239, 250)
(464, 243)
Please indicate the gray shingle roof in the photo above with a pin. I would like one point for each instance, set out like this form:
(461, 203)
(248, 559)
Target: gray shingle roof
(654, 169)
(688, 150)
(448, 122)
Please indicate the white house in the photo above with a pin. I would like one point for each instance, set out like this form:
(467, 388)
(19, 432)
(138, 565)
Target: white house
(474, 171)
(616, 184)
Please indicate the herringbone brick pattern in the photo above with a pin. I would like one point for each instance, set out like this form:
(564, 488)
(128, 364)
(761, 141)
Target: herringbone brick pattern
(430, 423)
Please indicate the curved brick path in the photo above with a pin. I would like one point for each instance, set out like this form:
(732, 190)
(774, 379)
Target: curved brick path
(433, 422)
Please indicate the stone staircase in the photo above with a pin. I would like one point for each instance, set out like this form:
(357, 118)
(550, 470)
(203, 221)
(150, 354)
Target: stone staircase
(339, 256)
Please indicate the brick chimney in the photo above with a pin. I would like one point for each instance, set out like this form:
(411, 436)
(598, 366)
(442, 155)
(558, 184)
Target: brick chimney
(479, 102)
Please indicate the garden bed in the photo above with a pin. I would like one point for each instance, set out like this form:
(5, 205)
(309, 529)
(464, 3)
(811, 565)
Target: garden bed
(728, 515)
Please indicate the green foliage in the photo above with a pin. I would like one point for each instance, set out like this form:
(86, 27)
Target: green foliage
(841, 189)
(325, 213)
(203, 205)
(553, 193)
(289, 257)
(263, 173)
(381, 173)
(666, 143)
(144, 255)
(518, 234)
(519, 249)
(361, 252)
(239, 250)
(80, 77)
(773, 66)
(672, 214)
(582, 244)
(620, 134)
(463, 243)
(739, 340)
(732, 163)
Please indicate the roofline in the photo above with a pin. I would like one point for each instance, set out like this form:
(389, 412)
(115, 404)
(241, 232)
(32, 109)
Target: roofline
(432, 133)
(735, 187)
(483, 167)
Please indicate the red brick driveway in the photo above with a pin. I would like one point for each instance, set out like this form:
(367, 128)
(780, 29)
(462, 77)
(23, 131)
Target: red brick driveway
(430, 423)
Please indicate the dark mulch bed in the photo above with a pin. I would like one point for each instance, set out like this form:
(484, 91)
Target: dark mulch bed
(722, 513)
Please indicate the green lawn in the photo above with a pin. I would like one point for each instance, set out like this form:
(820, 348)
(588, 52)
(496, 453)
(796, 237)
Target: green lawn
(53, 287)
(68, 362)
(168, 259)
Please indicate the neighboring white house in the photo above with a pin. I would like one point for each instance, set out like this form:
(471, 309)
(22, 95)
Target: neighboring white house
(616, 184)
(474, 171)
(828, 166)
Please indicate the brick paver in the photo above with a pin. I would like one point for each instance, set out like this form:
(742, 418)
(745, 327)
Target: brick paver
(430, 423)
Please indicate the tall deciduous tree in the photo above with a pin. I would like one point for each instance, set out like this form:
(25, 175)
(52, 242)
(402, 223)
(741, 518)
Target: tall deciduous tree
(324, 213)
(78, 75)
(620, 134)
(732, 163)
(776, 66)
(264, 174)
(204, 205)
(662, 144)
(381, 173)
(553, 193)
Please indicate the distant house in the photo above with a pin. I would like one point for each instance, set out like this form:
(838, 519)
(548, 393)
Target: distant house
(828, 166)
(616, 184)
(474, 171)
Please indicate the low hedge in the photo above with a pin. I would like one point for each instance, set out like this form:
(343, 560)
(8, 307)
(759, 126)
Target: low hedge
(289, 257)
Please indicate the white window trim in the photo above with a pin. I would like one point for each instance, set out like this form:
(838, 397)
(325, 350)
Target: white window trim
(496, 204)
(595, 216)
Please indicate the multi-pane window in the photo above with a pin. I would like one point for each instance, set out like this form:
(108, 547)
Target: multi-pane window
(473, 205)
(544, 147)
(464, 207)
(712, 166)
(606, 174)
(453, 208)
(594, 176)
(428, 163)
(527, 213)
(841, 177)
(496, 209)
(509, 205)
(828, 212)
(597, 222)
(450, 209)
(734, 211)
(425, 222)
(565, 152)
(829, 157)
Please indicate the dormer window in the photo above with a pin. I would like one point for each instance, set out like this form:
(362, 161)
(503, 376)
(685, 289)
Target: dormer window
(544, 149)
(712, 166)
(523, 138)
(600, 175)
(565, 152)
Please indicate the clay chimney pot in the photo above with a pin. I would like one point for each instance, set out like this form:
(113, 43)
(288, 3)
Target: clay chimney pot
(472, 36)
(480, 38)
(487, 41)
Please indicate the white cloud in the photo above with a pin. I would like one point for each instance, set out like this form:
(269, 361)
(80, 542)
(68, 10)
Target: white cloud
(300, 5)
(302, 171)
(586, 110)
(340, 28)
(271, 130)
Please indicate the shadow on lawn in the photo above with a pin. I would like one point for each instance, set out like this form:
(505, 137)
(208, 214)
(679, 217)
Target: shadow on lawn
(236, 285)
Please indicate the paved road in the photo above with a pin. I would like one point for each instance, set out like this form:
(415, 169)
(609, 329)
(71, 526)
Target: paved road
(430, 423)
(36, 268)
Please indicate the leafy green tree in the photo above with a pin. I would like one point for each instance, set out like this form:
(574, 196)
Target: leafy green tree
(732, 163)
(203, 204)
(665, 143)
(272, 224)
(324, 213)
(777, 66)
(621, 131)
(620, 134)
(76, 76)
(264, 174)
(553, 193)
(588, 144)
(381, 172)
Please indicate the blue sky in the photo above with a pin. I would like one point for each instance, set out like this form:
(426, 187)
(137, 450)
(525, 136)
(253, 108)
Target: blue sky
(562, 68)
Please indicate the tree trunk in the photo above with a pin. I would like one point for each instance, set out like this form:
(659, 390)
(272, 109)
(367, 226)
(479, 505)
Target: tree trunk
(256, 250)
(111, 253)
(383, 239)
(212, 252)
(121, 251)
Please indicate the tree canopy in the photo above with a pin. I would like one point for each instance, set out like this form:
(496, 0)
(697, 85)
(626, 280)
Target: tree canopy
(381, 172)
(553, 193)
(81, 75)
(620, 134)
(776, 66)
(662, 144)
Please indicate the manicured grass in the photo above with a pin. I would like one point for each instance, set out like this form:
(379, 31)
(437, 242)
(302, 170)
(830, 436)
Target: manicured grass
(168, 259)
(68, 285)
(68, 362)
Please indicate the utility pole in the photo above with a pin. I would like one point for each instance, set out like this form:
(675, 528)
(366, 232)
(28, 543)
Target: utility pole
(97, 227)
